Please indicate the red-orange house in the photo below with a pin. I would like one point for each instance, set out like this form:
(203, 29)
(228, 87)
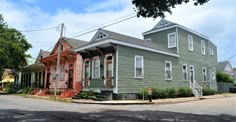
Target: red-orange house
(70, 69)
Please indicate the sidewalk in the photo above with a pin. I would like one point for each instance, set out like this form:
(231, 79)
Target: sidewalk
(157, 101)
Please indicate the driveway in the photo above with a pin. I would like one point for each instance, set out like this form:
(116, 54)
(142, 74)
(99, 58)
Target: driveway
(15, 108)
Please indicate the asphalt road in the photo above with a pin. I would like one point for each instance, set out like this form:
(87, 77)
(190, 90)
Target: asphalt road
(19, 109)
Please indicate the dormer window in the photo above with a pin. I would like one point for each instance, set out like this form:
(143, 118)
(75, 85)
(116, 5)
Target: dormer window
(100, 36)
(148, 40)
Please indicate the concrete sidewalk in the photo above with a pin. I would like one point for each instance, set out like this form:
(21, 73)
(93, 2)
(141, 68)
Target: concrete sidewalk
(157, 101)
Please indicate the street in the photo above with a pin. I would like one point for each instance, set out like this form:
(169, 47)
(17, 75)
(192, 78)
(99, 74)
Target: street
(20, 109)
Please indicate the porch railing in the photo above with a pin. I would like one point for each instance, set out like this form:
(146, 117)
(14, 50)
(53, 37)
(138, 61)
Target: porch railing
(196, 89)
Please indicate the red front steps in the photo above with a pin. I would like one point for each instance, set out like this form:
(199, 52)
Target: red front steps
(43, 92)
(67, 93)
(34, 91)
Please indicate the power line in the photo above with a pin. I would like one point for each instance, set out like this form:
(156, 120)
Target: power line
(42, 29)
(104, 26)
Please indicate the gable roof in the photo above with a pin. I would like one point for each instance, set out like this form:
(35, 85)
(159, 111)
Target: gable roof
(169, 25)
(74, 43)
(221, 65)
(43, 54)
(120, 38)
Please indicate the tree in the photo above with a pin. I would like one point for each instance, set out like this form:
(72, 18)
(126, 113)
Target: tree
(222, 77)
(13, 47)
(156, 8)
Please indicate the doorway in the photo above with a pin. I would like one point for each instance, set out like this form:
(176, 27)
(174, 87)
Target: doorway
(86, 78)
(109, 72)
(48, 80)
(70, 79)
(191, 70)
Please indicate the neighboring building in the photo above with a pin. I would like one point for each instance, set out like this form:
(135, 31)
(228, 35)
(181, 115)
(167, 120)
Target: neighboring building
(226, 68)
(33, 74)
(69, 72)
(7, 77)
(170, 55)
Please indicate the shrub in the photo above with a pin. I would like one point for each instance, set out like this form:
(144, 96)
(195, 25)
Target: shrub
(9, 88)
(172, 92)
(222, 77)
(208, 91)
(86, 94)
(184, 92)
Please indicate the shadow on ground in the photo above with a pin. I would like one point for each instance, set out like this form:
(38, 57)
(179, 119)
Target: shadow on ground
(14, 115)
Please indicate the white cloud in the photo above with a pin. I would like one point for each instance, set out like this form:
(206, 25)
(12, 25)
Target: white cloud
(214, 19)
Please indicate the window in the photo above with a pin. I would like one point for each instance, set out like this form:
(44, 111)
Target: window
(54, 73)
(101, 36)
(203, 48)
(190, 42)
(204, 74)
(171, 40)
(148, 40)
(211, 51)
(168, 70)
(61, 47)
(139, 67)
(213, 76)
(184, 72)
(62, 72)
(96, 67)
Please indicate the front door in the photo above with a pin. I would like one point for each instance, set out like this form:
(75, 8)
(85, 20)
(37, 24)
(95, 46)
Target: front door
(109, 72)
(86, 78)
(48, 80)
(191, 70)
(70, 79)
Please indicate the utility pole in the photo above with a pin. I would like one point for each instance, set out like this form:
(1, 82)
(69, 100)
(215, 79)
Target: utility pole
(58, 60)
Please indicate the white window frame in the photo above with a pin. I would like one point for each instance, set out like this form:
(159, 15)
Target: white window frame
(203, 47)
(184, 72)
(213, 76)
(211, 51)
(170, 46)
(204, 74)
(170, 70)
(190, 40)
(193, 72)
(137, 56)
(99, 70)
(148, 40)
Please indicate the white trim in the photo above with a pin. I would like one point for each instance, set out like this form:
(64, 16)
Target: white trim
(203, 46)
(148, 40)
(180, 26)
(116, 91)
(98, 32)
(170, 70)
(211, 51)
(104, 70)
(99, 73)
(105, 63)
(169, 34)
(142, 73)
(190, 41)
(183, 72)
(126, 44)
(177, 39)
(204, 74)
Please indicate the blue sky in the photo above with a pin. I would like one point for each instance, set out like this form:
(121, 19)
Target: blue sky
(215, 20)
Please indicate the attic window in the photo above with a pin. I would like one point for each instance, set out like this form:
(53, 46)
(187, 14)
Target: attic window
(101, 36)
(163, 23)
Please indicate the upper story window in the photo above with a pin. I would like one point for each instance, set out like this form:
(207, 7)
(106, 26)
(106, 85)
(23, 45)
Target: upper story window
(204, 74)
(190, 42)
(184, 72)
(171, 40)
(213, 76)
(61, 47)
(62, 72)
(148, 40)
(211, 51)
(203, 47)
(168, 70)
(96, 67)
(139, 68)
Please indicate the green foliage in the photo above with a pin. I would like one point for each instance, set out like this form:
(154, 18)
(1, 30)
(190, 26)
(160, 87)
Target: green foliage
(9, 88)
(27, 90)
(207, 91)
(158, 93)
(222, 77)
(13, 46)
(157, 8)
(86, 94)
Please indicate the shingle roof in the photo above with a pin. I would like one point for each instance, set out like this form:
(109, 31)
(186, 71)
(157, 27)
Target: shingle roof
(133, 40)
(75, 43)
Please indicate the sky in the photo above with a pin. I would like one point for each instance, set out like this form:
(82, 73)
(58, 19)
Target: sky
(215, 19)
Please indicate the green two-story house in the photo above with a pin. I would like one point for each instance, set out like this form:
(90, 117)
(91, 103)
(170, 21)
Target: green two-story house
(170, 55)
